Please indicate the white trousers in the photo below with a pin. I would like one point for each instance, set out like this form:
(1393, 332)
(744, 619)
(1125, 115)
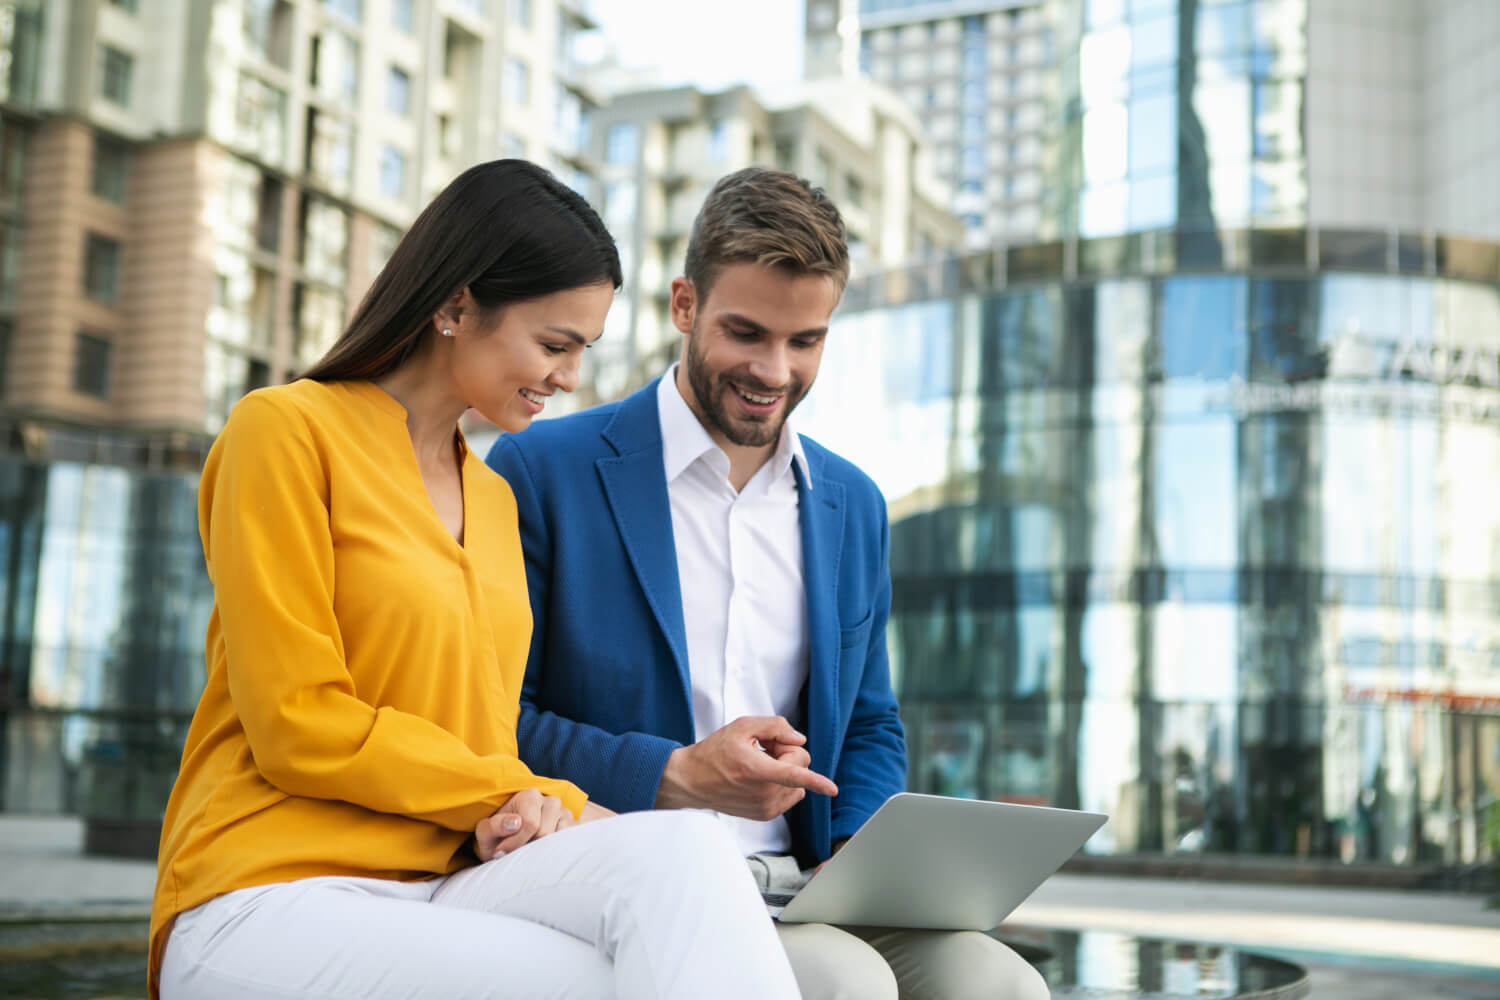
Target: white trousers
(646, 905)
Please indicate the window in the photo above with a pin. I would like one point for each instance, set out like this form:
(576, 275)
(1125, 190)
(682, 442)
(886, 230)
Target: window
(822, 169)
(513, 146)
(91, 365)
(569, 123)
(854, 191)
(392, 172)
(268, 28)
(10, 263)
(114, 80)
(619, 205)
(971, 161)
(317, 318)
(13, 142)
(398, 92)
(382, 244)
(129, 6)
(5, 327)
(101, 268)
(622, 143)
(348, 8)
(335, 65)
(718, 142)
(268, 214)
(330, 149)
(401, 15)
(324, 240)
(260, 119)
(445, 137)
(520, 12)
(111, 163)
(517, 85)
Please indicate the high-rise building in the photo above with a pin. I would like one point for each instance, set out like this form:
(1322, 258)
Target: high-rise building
(1192, 516)
(193, 197)
(978, 74)
(660, 151)
(204, 191)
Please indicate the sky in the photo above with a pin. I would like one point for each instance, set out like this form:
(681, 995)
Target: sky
(711, 44)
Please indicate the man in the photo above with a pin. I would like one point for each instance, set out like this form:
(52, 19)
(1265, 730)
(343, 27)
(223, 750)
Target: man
(707, 585)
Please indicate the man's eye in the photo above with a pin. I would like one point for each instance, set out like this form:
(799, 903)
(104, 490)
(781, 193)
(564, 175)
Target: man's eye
(555, 349)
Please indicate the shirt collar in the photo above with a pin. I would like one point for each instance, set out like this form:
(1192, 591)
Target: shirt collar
(684, 440)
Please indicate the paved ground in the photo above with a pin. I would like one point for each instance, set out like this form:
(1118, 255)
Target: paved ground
(1357, 943)
(42, 864)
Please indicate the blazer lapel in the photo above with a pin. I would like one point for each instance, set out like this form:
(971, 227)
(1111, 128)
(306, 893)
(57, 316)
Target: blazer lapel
(636, 486)
(821, 512)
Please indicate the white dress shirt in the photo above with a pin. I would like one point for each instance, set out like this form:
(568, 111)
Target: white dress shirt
(744, 605)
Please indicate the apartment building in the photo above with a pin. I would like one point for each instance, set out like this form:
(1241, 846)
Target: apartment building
(659, 151)
(196, 194)
(976, 72)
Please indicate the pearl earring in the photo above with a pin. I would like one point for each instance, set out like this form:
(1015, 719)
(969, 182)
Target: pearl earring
(447, 332)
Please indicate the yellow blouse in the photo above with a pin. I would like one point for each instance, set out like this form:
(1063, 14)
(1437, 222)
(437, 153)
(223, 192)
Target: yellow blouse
(364, 669)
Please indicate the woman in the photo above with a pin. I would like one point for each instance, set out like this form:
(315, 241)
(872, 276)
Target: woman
(350, 819)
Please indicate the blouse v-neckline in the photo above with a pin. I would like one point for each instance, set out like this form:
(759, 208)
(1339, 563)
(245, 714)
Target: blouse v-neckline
(390, 406)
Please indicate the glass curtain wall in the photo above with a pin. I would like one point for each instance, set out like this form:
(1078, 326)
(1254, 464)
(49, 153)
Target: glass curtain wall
(1215, 554)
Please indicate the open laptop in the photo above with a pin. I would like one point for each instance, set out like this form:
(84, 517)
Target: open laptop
(931, 862)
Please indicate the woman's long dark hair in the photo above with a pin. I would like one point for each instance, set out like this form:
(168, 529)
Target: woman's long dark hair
(506, 230)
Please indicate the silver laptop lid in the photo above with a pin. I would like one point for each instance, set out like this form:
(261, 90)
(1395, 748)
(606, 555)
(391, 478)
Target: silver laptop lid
(927, 861)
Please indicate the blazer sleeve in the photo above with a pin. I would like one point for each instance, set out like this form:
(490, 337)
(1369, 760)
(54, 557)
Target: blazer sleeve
(872, 761)
(621, 771)
(264, 518)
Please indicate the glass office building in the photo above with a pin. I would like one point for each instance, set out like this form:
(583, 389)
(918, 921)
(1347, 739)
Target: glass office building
(1194, 506)
(104, 603)
(1215, 550)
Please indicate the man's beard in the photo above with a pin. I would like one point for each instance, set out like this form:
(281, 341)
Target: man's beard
(743, 432)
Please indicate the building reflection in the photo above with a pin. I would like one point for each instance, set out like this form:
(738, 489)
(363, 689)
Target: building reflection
(1213, 553)
(102, 617)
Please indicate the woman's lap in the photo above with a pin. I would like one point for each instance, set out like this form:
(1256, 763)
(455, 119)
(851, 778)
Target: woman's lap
(644, 905)
(360, 938)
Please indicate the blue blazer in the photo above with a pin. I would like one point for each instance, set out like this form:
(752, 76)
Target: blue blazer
(607, 695)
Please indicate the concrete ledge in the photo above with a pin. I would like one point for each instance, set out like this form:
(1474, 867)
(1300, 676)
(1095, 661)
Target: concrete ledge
(1286, 871)
(37, 940)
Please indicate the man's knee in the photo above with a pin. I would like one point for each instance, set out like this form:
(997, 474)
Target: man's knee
(975, 966)
(956, 965)
(831, 964)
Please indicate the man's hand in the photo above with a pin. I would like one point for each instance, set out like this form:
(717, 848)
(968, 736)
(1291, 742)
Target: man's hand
(755, 768)
(524, 817)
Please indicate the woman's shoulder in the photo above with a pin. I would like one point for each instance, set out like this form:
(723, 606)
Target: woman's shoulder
(303, 405)
(302, 396)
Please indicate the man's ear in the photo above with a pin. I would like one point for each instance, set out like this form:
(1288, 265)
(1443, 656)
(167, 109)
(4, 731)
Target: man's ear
(684, 304)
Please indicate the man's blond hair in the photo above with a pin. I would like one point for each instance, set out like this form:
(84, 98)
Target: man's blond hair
(771, 218)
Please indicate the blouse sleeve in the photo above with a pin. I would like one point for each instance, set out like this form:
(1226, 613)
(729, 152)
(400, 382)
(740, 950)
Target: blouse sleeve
(264, 518)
